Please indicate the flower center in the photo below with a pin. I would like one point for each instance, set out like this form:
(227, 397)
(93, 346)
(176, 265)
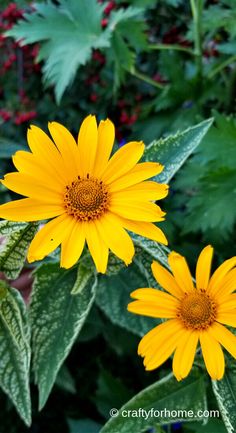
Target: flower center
(86, 198)
(197, 310)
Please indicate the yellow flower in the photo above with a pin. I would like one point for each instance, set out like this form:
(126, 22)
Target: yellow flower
(91, 196)
(195, 314)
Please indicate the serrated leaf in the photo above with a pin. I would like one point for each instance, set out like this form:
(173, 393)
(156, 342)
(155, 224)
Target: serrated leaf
(15, 351)
(14, 245)
(166, 394)
(207, 209)
(56, 318)
(207, 181)
(225, 392)
(68, 32)
(173, 151)
(113, 296)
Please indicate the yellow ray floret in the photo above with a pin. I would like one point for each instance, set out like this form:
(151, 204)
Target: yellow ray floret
(92, 196)
(195, 314)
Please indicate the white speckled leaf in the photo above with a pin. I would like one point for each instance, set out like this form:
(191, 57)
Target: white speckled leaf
(173, 151)
(14, 350)
(14, 245)
(113, 296)
(56, 318)
(168, 394)
(225, 392)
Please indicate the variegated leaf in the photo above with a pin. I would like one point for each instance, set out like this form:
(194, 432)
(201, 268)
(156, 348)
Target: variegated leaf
(14, 350)
(14, 241)
(56, 318)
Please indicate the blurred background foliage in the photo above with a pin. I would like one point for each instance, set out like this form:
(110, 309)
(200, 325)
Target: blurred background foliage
(153, 67)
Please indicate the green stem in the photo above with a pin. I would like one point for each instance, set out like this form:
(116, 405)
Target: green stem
(221, 66)
(145, 78)
(197, 8)
(171, 47)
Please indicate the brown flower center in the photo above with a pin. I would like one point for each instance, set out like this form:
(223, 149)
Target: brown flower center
(197, 310)
(86, 198)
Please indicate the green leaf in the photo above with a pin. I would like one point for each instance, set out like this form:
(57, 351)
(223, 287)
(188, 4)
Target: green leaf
(8, 147)
(124, 41)
(225, 392)
(113, 296)
(68, 33)
(83, 426)
(207, 182)
(83, 276)
(56, 318)
(110, 391)
(213, 207)
(14, 245)
(165, 395)
(173, 151)
(15, 351)
(65, 380)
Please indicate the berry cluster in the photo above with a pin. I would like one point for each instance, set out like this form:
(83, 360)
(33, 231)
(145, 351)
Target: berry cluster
(17, 65)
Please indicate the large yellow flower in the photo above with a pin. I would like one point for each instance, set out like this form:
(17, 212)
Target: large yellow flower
(91, 196)
(195, 314)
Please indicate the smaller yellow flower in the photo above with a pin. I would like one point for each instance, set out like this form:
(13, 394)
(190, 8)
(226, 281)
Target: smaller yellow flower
(195, 314)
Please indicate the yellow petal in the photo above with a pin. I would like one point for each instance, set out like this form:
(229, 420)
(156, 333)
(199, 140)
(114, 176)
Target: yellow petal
(228, 285)
(184, 354)
(115, 237)
(27, 185)
(68, 148)
(227, 318)
(72, 246)
(146, 229)
(166, 280)
(96, 245)
(227, 303)
(137, 174)
(213, 355)
(123, 160)
(151, 309)
(181, 271)
(161, 351)
(50, 237)
(215, 284)
(137, 210)
(203, 269)
(44, 149)
(106, 137)
(144, 191)
(156, 296)
(224, 337)
(29, 209)
(87, 144)
(28, 163)
(157, 335)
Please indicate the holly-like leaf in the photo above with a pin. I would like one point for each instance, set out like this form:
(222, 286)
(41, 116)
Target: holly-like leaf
(56, 318)
(15, 239)
(14, 350)
(113, 296)
(225, 392)
(173, 150)
(166, 395)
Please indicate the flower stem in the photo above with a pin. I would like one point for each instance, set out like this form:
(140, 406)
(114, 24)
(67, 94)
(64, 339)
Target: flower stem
(221, 66)
(145, 78)
(197, 8)
(171, 47)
